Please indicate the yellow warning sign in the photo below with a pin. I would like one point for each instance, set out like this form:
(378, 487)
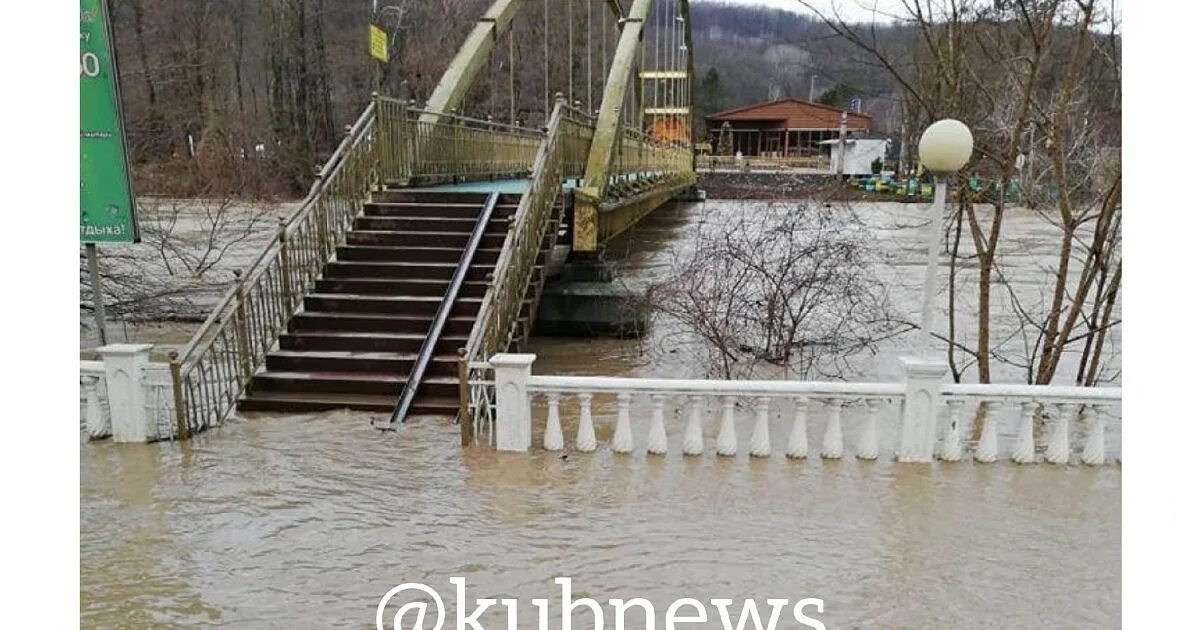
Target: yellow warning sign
(379, 48)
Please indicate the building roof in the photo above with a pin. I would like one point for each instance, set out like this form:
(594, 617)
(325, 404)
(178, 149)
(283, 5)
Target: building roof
(793, 113)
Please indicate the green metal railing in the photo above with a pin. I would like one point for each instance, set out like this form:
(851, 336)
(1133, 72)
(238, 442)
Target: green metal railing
(389, 142)
(640, 161)
(563, 155)
(419, 146)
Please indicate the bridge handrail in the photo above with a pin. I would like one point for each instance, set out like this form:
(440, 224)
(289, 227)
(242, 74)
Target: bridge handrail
(424, 146)
(288, 225)
(500, 308)
(214, 367)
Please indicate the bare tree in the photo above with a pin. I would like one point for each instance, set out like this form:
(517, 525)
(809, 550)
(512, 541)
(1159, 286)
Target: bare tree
(1038, 83)
(790, 288)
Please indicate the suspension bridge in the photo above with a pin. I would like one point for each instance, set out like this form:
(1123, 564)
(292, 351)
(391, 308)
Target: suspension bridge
(423, 245)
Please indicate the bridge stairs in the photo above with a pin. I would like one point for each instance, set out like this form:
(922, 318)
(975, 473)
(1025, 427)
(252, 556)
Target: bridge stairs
(359, 330)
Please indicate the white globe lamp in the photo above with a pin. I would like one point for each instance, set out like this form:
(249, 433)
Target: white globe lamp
(946, 146)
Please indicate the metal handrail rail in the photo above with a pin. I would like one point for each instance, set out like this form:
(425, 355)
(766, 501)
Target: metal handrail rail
(387, 142)
(289, 225)
(498, 312)
(413, 383)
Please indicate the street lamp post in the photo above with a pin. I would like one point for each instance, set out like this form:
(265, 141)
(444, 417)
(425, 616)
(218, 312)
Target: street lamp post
(945, 147)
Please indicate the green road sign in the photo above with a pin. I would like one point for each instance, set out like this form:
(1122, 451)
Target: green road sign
(107, 213)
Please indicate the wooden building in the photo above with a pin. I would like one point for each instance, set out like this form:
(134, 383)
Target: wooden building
(785, 128)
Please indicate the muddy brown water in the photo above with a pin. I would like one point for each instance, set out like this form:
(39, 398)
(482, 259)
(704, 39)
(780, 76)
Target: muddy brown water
(307, 520)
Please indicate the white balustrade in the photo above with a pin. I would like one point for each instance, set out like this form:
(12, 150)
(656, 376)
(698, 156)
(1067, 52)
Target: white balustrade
(1058, 446)
(952, 443)
(863, 413)
(552, 439)
(798, 442)
(126, 396)
(831, 445)
(760, 440)
(693, 435)
(585, 439)
(622, 441)
(656, 443)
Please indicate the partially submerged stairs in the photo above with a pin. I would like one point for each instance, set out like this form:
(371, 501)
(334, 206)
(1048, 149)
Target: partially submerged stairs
(361, 326)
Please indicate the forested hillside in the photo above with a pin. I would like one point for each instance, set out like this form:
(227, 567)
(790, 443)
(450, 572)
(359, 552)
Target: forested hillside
(217, 80)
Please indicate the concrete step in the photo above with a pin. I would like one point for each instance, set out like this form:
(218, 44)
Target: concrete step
(324, 321)
(377, 269)
(301, 402)
(372, 286)
(435, 210)
(425, 306)
(456, 240)
(384, 383)
(426, 224)
(413, 254)
(434, 196)
(357, 361)
(367, 342)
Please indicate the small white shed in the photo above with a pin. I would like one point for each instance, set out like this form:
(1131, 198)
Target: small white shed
(860, 153)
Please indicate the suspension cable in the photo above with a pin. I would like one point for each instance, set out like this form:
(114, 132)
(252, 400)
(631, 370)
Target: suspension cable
(591, 9)
(603, 45)
(570, 51)
(546, 59)
(512, 81)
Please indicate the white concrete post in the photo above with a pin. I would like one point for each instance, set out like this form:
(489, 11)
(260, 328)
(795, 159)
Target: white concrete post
(514, 420)
(124, 364)
(922, 392)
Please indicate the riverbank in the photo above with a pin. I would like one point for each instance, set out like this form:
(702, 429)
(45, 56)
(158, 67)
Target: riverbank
(779, 186)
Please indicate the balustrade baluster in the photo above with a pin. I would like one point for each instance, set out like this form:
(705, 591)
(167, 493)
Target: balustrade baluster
(868, 442)
(1023, 452)
(985, 450)
(656, 443)
(1058, 446)
(831, 446)
(693, 434)
(1093, 449)
(760, 440)
(952, 443)
(585, 438)
(552, 440)
(798, 442)
(98, 425)
(622, 441)
(727, 437)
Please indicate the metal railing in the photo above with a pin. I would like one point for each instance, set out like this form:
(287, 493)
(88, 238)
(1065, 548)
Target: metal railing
(389, 142)
(419, 146)
(640, 161)
(562, 155)
(213, 369)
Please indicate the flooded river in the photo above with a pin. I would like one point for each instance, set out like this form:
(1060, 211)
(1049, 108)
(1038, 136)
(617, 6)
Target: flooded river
(306, 521)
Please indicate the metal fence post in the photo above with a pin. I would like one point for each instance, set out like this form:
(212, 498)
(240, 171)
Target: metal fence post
(240, 325)
(181, 425)
(285, 271)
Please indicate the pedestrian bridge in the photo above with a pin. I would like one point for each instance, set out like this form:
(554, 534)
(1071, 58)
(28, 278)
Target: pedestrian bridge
(422, 247)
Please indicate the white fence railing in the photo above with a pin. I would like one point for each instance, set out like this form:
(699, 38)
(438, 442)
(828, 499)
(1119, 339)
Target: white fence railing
(914, 405)
(126, 396)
